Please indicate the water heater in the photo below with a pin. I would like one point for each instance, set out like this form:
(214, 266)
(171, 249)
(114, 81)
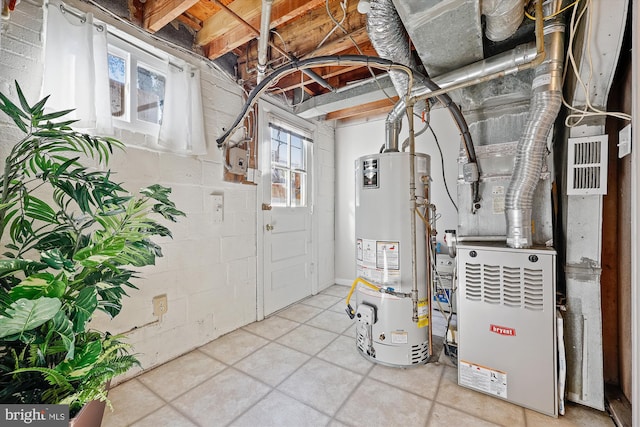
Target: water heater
(385, 328)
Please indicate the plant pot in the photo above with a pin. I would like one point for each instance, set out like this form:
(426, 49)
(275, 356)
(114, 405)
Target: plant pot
(90, 415)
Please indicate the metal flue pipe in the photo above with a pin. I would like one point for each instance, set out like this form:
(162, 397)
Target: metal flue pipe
(263, 41)
(545, 105)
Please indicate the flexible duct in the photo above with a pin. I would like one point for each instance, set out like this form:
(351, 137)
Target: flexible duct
(502, 18)
(390, 40)
(263, 41)
(545, 105)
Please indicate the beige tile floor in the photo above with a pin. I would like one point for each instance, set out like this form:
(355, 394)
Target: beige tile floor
(301, 368)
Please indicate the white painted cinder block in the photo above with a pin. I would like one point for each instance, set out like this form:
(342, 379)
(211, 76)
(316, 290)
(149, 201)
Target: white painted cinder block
(237, 247)
(209, 271)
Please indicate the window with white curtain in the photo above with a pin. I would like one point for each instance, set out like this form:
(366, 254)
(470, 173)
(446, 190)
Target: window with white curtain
(137, 86)
(111, 79)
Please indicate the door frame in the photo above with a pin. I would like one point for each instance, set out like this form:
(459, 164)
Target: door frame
(266, 110)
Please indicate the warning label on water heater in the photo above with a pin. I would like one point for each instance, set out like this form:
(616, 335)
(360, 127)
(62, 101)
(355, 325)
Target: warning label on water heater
(483, 379)
(378, 261)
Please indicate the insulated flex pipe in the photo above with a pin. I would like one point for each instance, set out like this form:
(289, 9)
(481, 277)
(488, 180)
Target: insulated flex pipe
(292, 67)
(370, 61)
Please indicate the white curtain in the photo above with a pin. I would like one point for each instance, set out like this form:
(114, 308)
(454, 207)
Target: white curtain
(75, 68)
(182, 127)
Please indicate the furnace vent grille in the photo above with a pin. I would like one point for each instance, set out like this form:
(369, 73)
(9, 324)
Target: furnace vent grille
(587, 165)
(510, 286)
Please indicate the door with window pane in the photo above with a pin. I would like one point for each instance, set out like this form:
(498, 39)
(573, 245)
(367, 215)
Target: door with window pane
(287, 225)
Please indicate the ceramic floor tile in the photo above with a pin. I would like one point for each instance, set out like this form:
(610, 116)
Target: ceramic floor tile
(422, 380)
(343, 352)
(337, 291)
(131, 401)
(307, 339)
(351, 332)
(271, 328)
(300, 312)
(221, 399)
(336, 423)
(234, 346)
(165, 416)
(331, 321)
(279, 410)
(477, 404)
(272, 363)
(392, 407)
(340, 307)
(575, 415)
(445, 416)
(180, 375)
(321, 385)
(321, 301)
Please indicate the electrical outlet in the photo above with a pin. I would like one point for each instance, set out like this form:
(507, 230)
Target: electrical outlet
(160, 306)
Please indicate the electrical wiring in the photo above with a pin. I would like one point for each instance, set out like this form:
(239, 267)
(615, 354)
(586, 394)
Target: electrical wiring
(577, 115)
(319, 61)
(444, 178)
(533, 18)
(355, 44)
(343, 6)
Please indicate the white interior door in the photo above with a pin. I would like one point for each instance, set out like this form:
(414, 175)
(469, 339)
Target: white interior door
(286, 214)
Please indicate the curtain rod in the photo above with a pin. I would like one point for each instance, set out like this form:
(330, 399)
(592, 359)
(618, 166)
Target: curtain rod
(82, 18)
(101, 27)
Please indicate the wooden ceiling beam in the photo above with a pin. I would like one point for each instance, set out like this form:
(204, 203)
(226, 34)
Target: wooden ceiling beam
(190, 22)
(381, 106)
(292, 81)
(158, 13)
(221, 32)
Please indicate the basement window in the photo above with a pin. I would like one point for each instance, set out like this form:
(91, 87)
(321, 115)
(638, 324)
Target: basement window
(288, 167)
(136, 86)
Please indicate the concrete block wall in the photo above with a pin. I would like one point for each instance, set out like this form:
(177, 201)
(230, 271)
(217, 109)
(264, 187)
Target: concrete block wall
(209, 268)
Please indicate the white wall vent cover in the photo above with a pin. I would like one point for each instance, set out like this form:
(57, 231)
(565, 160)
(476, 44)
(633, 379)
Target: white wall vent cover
(587, 165)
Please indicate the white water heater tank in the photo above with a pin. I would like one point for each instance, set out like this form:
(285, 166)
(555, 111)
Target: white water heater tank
(386, 332)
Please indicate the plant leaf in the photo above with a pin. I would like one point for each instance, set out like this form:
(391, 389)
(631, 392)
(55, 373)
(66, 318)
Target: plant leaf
(9, 266)
(28, 314)
(38, 285)
(100, 252)
(83, 361)
(37, 209)
(84, 305)
(54, 259)
(64, 328)
(52, 376)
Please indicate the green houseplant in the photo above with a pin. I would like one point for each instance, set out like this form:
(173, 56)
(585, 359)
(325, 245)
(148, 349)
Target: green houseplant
(72, 236)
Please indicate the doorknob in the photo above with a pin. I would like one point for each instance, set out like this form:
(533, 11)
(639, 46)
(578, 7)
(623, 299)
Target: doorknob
(269, 227)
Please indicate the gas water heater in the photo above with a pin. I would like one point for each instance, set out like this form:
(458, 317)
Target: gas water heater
(386, 329)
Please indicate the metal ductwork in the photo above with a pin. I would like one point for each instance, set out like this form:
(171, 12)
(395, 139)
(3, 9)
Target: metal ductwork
(545, 105)
(390, 40)
(263, 41)
(503, 17)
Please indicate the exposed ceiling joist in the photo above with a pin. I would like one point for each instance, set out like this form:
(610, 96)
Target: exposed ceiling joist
(382, 106)
(222, 33)
(158, 13)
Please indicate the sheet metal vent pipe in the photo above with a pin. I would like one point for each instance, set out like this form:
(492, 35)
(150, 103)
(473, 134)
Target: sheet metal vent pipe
(263, 41)
(391, 41)
(545, 105)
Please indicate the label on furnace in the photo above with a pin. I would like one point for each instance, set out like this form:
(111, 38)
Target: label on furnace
(483, 379)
